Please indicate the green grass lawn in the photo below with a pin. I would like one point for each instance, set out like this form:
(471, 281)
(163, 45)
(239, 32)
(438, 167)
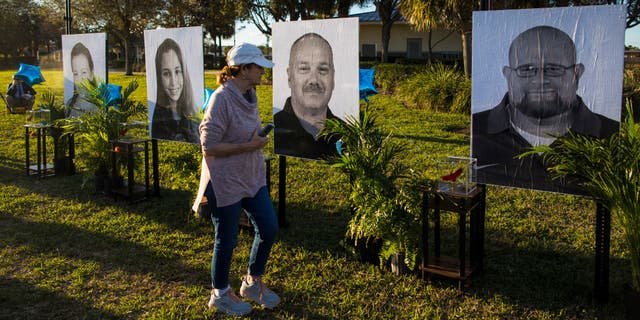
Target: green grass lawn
(66, 253)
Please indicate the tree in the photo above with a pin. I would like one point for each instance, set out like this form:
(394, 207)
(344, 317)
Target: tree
(343, 6)
(126, 20)
(51, 26)
(450, 14)
(218, 18)
(262, 13)
(456, 14)
(25, 26)
(389, 13)
(15, 27)
(633, 13)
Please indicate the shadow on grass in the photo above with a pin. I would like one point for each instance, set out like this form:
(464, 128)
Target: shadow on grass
(13, 163)
(549, 280)
(528, 279)
(170, 207)
(539, 279)
(112, 254)
(21, 300)
(312, 227)
(434, 139)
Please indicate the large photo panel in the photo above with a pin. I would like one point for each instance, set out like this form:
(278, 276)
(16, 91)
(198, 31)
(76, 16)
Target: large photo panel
(538, 74)
(83, 58)
(175, 82)
(315, 78)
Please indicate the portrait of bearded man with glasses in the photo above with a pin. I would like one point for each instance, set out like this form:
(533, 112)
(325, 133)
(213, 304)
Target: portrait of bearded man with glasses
(541, 105)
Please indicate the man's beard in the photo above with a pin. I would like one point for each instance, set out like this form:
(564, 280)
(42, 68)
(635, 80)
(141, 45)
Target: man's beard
(540, 108)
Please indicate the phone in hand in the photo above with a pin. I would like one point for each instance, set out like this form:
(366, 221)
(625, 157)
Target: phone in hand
(265, 131)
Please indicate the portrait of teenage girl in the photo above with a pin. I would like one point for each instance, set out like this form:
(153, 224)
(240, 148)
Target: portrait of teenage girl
(174, 115)
(82, 70)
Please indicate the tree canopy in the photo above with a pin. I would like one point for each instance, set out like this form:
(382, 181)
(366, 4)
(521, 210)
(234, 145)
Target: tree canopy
(262, 13)
(25, 26)
(456, 14)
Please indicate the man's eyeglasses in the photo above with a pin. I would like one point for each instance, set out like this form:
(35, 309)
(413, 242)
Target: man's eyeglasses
(551, 70)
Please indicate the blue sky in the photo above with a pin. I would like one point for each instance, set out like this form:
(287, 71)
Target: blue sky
(632, 36)
(247, 32)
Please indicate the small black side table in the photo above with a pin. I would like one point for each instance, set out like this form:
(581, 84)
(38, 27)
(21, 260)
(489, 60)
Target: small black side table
(128, 148)
(460, 268)
(41, 169)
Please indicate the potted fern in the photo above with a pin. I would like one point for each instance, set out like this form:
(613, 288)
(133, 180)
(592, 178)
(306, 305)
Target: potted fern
(98, 128)
(609, 169)
(379, 189)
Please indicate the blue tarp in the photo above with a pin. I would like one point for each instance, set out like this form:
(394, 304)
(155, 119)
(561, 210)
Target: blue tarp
(207, 96)
(367, 88)
(113, 95)
(30, 74)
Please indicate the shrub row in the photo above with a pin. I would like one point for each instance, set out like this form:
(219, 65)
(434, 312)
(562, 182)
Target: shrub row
(437, 87)
(389, 75)
(445, 88)
(631, 90)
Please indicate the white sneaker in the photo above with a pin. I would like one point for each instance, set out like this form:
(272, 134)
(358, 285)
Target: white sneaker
(259, 293)
(229, 303)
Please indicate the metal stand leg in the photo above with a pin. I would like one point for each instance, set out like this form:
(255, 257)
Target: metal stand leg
(156, 171)
(425, 234)
(282, 191)
(603, 239)
(26, 144)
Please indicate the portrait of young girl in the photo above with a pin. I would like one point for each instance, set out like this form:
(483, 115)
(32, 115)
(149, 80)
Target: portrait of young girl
(174, 114)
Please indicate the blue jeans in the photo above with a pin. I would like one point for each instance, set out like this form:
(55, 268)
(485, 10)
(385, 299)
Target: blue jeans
(225, 220)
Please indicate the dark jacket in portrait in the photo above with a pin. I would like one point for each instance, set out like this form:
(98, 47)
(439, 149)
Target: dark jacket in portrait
(290, 138)
(164, 126)
(496, 144)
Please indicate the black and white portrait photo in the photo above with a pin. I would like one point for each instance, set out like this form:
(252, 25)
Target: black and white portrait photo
(84, 59)
(175, 82)
(315, 78)
(547, 72)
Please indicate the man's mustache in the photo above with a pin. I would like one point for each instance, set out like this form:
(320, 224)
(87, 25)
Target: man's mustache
(313, 88)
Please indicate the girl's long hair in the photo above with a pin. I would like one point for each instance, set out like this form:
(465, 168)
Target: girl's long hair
(185, 102)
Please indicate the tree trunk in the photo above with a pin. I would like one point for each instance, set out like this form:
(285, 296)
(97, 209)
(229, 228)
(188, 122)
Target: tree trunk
(466, 52)
(128, 56)
(386, 35)
(430, 58)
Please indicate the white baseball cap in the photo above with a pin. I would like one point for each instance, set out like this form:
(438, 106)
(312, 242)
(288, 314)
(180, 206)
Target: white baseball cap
(246, 53)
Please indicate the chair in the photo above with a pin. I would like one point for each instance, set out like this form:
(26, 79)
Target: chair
(13, 105)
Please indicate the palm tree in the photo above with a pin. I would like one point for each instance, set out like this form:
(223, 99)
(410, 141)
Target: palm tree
(425, 15)
(388, 12)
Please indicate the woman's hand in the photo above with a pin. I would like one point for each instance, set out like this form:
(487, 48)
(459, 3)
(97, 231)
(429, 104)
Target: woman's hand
(259, 142)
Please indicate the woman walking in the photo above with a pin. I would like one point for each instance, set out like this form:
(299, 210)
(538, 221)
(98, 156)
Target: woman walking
(233, 177)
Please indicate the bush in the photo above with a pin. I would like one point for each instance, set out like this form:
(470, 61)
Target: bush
(267, 77)
(437, 88)
(631, 90)
(462, 100)
(388, 75)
